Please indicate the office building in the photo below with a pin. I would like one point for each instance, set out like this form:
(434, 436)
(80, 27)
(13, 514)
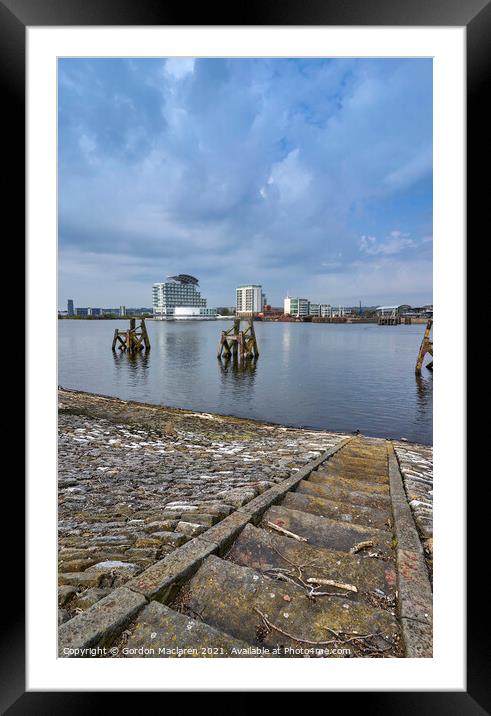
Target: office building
(297, 307)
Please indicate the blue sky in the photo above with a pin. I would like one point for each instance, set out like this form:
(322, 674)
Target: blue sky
(310, 176)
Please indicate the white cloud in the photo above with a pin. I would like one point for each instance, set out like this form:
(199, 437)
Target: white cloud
(179, 67)
(396, 242)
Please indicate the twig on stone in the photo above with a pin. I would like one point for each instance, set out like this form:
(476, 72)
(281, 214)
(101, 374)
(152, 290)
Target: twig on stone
(286, 532)
(270, 625)
(360, 545)
(332, 583)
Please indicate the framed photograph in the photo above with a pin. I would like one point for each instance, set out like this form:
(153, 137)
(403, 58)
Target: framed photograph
(243, 239)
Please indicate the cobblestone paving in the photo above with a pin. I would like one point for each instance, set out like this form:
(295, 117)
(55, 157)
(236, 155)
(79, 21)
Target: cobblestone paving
(416, 465)
(136, 482)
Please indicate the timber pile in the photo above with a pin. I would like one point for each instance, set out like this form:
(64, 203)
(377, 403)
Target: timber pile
(133, 340)
(238, 343)
(425, 347)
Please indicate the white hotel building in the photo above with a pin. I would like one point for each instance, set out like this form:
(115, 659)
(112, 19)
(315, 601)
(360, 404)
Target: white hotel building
(178, 298)
(249, 299)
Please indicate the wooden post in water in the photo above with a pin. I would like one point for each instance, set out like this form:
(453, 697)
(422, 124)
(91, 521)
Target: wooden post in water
(134, 339)
(425, 347)
(239, 344)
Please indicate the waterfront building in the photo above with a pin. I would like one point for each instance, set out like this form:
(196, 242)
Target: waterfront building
(183, 313)
(271, 312)
(82, 311)
(179, 298)
(294, 306)
(315, 309)
(70, 308)
(392, 311)
(249, 299)
(338, 312)
(122, 310)
(325, 310)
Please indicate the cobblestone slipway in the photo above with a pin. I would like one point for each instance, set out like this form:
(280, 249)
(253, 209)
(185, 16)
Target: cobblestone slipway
(137, 481)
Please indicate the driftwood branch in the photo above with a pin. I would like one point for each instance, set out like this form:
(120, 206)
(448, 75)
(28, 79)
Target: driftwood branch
(332, 583)
(286, 532)
(361, 545)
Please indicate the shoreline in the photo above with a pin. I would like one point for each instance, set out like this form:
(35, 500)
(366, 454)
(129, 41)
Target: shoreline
(169, 409)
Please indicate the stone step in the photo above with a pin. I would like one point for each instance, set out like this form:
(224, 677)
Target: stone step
(350, 484)
(332, 534)
(161, 632)
(343, 511)
(236, 600)
(354, 474)
(361, 465)
(341, 494)
(265, 551)
(371, 455)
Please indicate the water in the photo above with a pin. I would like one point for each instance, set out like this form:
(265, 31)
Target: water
(340, 377)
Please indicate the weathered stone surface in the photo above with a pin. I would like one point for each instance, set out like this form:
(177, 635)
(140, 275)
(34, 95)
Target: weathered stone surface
(100, 624)
(163, 526)
(76, 565)
(161, 580)
(80, 579)
(174, 539)
(227, 597)
(415, 595)
(340, 494)
(418, 639)
(257, 507)
(415, 463)
(65, 593)
(204, 519)
(224, 533)
(264, 551)
(355, 514)
(118, 476)
(160, 632)
(404, 527)
(350, 484)
(191, 529)
(63, 616)
(88, 598)
(332, 534)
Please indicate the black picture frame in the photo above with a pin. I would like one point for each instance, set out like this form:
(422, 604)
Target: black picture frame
(15, 17)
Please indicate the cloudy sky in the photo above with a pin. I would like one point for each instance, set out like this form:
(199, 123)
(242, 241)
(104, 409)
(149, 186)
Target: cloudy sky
(309, 176)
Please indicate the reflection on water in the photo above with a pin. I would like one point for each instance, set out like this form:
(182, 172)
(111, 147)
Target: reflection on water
(327, 376)
(135, 365)
(424, 393)
(237, 378)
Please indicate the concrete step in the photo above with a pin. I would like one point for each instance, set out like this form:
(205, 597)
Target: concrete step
(160, 632)
(323, 478)
(341, 494)
(237, 600)
(265, 551)
(329, 533)
(343, 511)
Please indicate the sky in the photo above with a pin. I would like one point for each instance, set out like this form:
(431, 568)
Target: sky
(311, 177)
